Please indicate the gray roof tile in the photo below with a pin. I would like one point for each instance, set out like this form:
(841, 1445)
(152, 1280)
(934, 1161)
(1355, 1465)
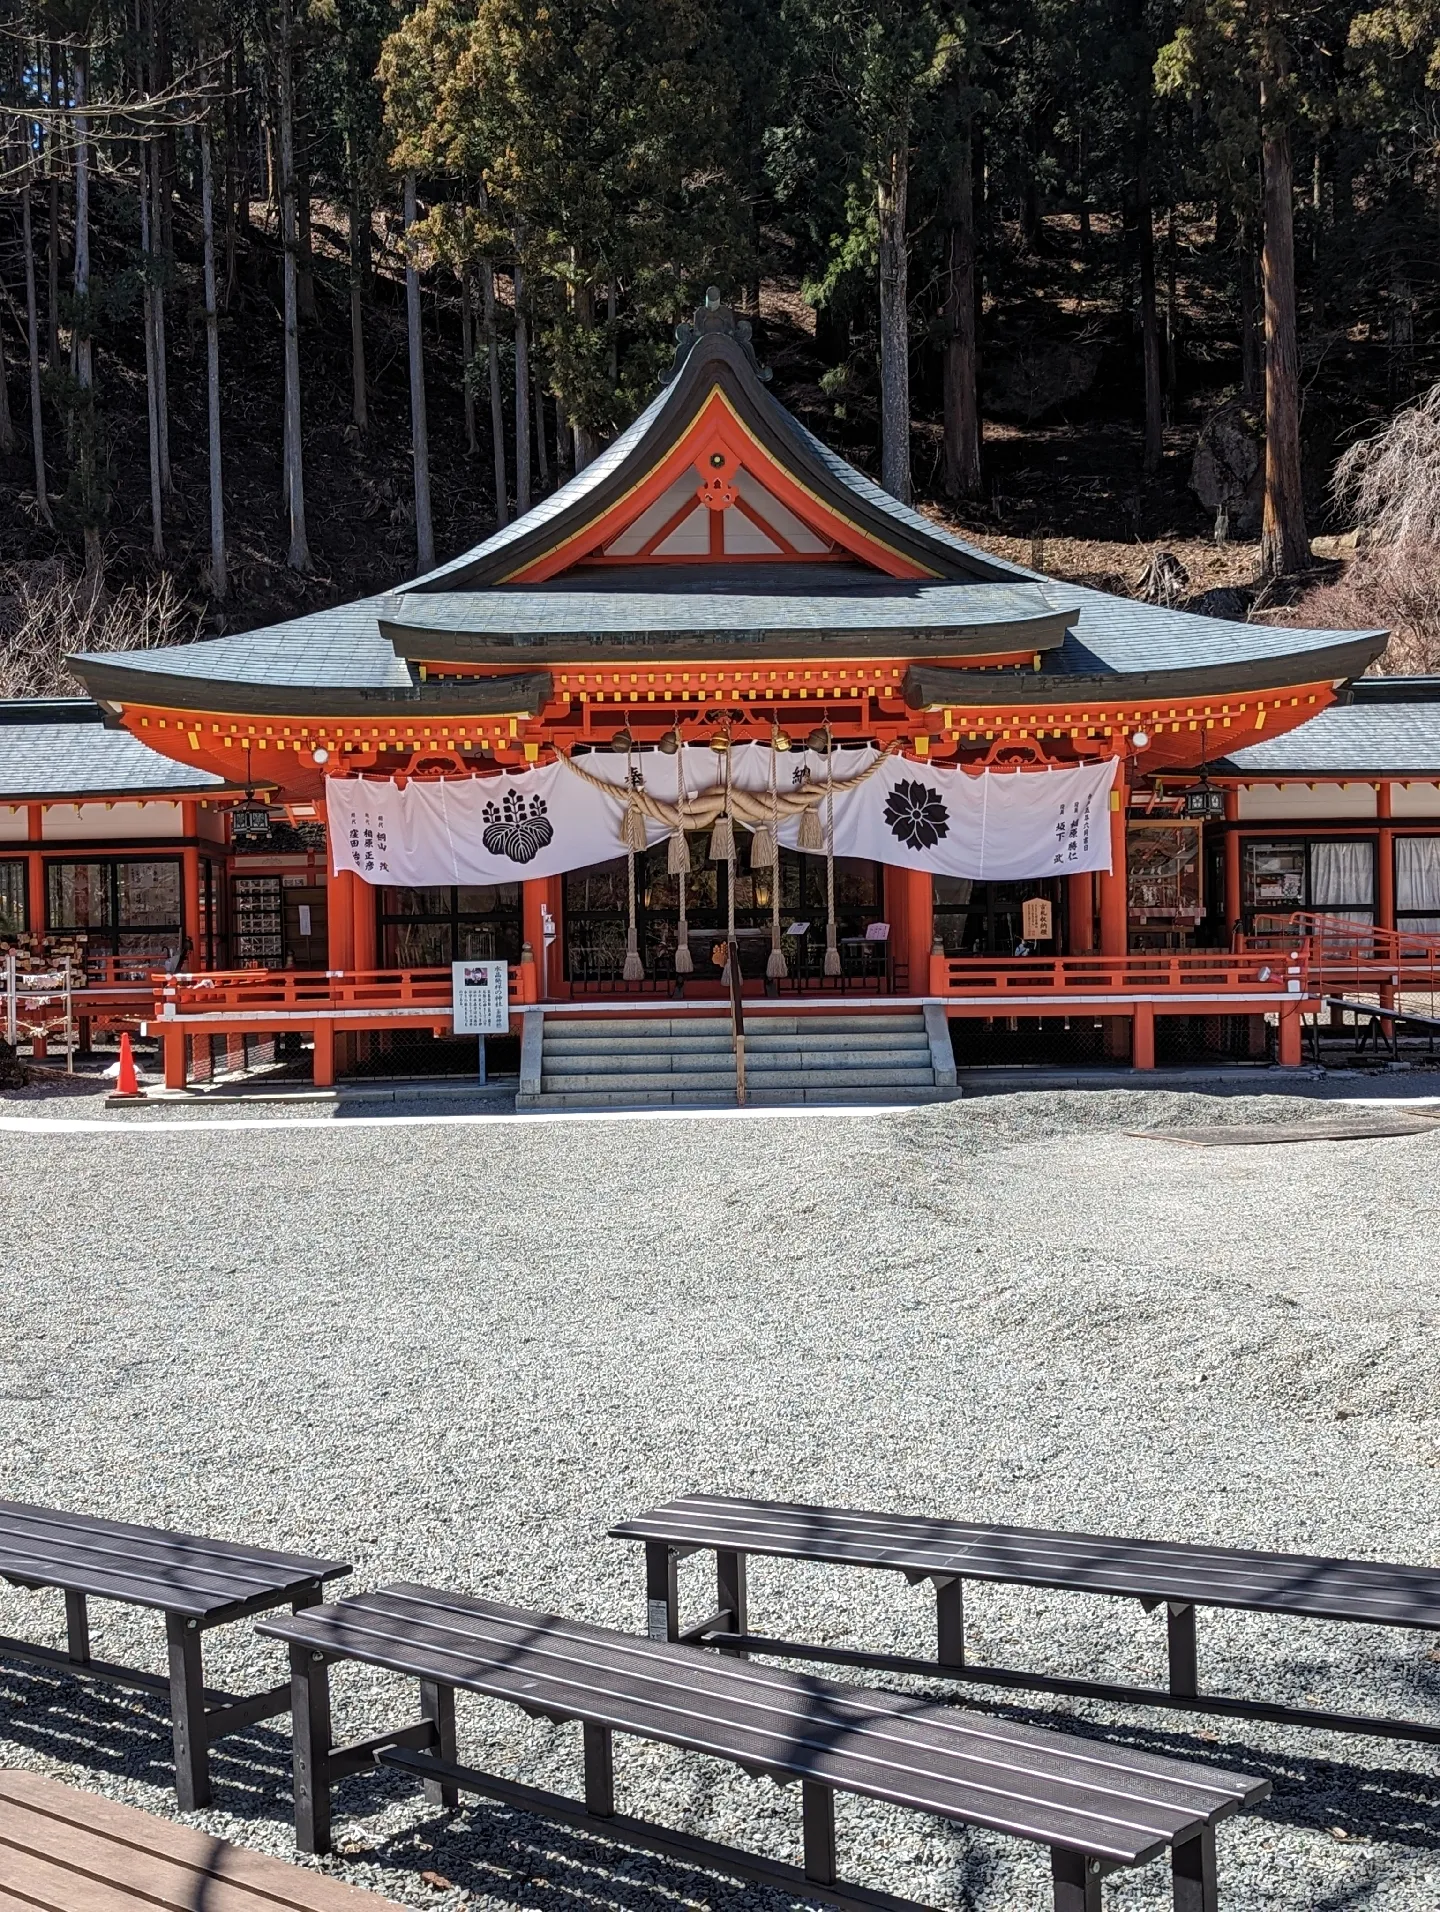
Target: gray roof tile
(77, 760)
(1365, 739)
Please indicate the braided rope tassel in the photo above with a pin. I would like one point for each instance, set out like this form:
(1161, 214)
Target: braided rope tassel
(775, 964)
(634, 970)
(832, 953)
(679, 864)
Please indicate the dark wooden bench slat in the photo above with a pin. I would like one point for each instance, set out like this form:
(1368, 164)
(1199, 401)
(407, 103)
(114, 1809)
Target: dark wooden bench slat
(121, 1563)
(1314, 1586)
(860, 1742)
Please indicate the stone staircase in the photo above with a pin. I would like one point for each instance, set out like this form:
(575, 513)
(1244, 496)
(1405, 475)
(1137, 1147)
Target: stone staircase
(656, 1061)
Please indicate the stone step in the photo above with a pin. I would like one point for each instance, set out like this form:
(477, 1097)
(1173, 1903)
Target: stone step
(594, 1045)
(831, 1063)
(640, 1082)
(629, 1066)
(843, 1091)
(761, 1042)
(626, 1099)
(901, 1077)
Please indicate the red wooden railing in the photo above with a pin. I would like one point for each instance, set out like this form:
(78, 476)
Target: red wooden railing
(1179, 973)
(323, 992)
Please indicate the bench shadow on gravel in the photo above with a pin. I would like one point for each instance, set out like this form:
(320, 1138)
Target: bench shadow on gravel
(512, 1857)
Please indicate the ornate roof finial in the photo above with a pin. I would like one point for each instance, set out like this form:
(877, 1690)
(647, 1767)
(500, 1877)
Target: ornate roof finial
(713, 317)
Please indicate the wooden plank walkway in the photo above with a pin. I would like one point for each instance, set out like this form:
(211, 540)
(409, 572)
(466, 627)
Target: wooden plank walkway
(62, 1850)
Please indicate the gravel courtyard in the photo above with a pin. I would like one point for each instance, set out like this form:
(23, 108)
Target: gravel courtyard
(457, 1353)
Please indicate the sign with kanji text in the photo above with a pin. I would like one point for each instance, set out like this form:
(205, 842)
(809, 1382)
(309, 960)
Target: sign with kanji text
(1037, 923)
(481, 992)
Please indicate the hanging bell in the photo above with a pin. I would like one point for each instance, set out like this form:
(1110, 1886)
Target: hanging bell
(781, 740)
(819, 741)
(670, 743)
(622, 741)
(720, 741)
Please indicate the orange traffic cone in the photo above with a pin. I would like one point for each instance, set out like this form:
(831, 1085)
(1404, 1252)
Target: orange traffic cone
(127, 1088)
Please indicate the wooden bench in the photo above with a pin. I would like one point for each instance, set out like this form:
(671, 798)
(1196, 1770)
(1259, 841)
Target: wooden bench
(197, 1584)
(1173, 1574)
(67, 1851)
(1096, 1807)
(1375, 1017)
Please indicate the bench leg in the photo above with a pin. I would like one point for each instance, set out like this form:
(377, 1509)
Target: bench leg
(730, 1591)
(950, 1622)
(662, 1591)
(1193, 1868)
(817, 1813)
(310, 1717)
(77, 1629)
(1076, 1880)
(599, 1772)
(187, 1712)
(437, 1704)
(1180, 1639)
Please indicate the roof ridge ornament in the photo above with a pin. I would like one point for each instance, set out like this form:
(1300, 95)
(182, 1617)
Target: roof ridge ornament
(711, 319)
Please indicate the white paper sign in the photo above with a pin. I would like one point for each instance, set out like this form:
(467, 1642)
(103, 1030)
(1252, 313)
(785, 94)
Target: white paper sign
(481, 992)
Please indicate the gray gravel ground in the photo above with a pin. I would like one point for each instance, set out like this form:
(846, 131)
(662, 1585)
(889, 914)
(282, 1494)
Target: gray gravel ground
(458, 1352)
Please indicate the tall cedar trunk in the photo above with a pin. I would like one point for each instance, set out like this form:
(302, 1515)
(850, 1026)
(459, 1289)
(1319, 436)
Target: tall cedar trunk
(219, 581)
(7, 422)
(1172, 316)
(32, 340)
(419, 438)
(497, 398)
(52, 213)
(960, 369)
(159, 248)
(359, 275)
(1284, 542)
(522, 394)
(892, 196)
(82, 348)
(564, 447)
(1252, 361)
(1154, 450)
(467, 354)
(298, 557)
(234, 151)
(309, 311)
(586, 445)
(147, 320)
(542, 454)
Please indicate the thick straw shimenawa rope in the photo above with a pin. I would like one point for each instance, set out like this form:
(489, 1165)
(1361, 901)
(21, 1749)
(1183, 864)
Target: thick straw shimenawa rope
(747, 807)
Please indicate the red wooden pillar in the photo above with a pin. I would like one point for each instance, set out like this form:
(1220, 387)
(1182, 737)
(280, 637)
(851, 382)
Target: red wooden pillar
(1290, 1036)
(1142, 1040)
(35, 869)
(1080, 913)
(534, 895)
(919, 888)
(340, 919)
(190, 882)
(1385, 876)
(1385, 853)
(1233, 904)
(324, 1055)
(1114, 887)
(364, 933)
(173, 1045)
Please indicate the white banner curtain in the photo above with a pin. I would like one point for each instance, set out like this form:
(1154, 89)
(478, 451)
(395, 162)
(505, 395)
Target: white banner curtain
(996, 825)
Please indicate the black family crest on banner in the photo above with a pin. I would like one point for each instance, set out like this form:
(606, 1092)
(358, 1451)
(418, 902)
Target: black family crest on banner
(513, 830)
(917, 815)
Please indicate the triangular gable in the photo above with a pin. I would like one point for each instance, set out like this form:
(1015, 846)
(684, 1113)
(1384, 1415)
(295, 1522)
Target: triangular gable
(718, 495)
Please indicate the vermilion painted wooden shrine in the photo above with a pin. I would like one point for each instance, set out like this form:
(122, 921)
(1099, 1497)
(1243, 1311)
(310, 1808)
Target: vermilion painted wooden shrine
(718, 576)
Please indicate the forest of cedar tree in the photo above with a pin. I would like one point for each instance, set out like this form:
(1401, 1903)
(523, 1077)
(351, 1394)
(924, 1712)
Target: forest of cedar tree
(300, 296)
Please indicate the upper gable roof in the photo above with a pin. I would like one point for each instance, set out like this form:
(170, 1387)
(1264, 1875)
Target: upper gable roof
(716, 395)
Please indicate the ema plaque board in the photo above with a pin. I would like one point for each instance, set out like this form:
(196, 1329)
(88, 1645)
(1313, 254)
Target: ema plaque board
(481, 998)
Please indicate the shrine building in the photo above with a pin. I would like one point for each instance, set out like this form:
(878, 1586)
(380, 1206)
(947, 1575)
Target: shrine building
(720, 706)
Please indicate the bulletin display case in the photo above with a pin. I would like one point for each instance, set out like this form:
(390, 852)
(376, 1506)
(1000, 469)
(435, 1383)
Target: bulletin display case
(257, 922)
(1166, 885)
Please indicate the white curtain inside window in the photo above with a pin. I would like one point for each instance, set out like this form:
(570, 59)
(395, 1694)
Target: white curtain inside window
(1342, 879)
(1417, 877)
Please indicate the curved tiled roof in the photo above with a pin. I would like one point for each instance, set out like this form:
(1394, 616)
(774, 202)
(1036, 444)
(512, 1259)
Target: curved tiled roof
(1363, 739)
(43, 761)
